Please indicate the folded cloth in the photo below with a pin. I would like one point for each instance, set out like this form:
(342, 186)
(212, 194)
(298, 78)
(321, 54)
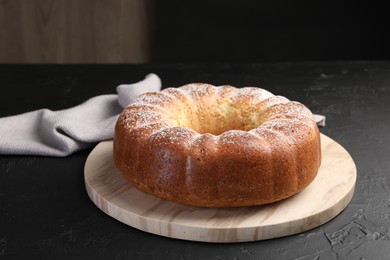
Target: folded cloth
(320, 120)
(61, 133)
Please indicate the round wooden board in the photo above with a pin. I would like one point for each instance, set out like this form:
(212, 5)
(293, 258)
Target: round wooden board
(321, 201)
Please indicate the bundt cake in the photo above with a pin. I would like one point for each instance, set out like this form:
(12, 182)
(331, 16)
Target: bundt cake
(211, 146)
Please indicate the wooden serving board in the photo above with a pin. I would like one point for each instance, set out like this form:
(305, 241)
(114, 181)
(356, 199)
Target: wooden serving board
(321, 201)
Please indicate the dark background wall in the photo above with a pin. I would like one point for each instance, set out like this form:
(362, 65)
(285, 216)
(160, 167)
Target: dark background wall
(280, 30)
(142, 31)
(75, 31)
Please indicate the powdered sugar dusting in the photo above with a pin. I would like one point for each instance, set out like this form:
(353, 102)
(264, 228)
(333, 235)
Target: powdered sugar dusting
(174, 135)
(253, 92)
(173, 92)
(290, 128)
(274, 101)
(281, 125)
(153, 98)
(234, 136)
(198, 91)
(140, 118)
(271, 135)
(200, 88)
(290, 110)
(143, 116)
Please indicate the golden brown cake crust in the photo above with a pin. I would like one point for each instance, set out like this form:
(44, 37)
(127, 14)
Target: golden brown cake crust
(210, 146)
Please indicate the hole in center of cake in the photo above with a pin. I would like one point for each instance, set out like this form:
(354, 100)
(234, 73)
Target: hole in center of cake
(219, 119)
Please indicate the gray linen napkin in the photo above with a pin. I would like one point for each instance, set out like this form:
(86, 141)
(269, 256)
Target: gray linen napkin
(320, 120)
(61, 133)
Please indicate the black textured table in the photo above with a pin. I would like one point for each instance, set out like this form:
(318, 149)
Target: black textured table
(46, 213)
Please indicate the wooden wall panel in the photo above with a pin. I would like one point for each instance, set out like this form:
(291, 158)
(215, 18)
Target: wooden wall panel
(75, 31)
